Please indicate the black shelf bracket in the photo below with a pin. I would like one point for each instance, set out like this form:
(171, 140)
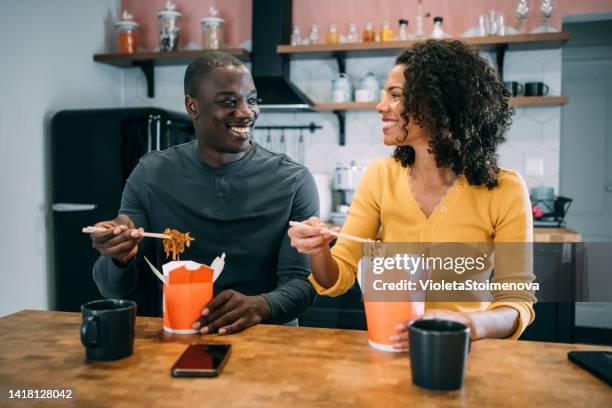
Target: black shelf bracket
(341, 126)
(341, 58)
(500, 56)
(148, 69)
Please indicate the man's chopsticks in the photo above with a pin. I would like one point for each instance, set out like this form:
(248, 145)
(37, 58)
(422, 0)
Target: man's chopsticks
(331, 232)
(89, 230)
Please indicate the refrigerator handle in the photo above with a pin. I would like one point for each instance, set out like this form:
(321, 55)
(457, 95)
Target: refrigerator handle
(149, 135)
(72, 207)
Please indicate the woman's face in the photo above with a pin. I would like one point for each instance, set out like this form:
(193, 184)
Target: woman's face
(396, 131)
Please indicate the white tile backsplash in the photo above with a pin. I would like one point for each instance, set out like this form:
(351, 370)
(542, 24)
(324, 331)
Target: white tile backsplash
(535, 131)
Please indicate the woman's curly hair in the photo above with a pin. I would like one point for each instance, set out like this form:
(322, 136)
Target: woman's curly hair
(455, 94)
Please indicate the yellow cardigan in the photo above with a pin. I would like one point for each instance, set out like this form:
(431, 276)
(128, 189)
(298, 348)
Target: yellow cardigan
(466, 214)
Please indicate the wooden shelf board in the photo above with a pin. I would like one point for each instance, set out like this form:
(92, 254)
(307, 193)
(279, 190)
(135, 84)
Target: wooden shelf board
(516, 101)
(515, 42)
(163, 58)
(539, 100)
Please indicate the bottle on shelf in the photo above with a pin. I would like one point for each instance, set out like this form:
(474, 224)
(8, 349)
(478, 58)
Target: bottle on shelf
(313, 37)
(438, 31)
(296, 35)
(403, 34)
(368, 33)
(332, 35)
(386, 32)
(420, 22)
(353, 34)
(126, 33)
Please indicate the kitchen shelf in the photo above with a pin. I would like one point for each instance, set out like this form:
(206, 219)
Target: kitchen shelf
(148, 60)
(340, 108)
(497, 43)
(516, 101)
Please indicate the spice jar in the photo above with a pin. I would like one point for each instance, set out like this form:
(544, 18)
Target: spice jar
(169, 32)
(368, 33)
(127, 37)
(212, 31)
(386, 33)
(332, 35)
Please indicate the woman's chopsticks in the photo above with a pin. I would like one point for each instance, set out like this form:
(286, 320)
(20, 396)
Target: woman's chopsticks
(89, 230)
(331, 232)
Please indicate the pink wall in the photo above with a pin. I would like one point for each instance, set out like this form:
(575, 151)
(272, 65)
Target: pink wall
(459, 15)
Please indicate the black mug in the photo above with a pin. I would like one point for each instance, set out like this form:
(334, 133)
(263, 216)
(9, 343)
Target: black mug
(108, 327)
(438, 353)
(514, 88)
(536, 89)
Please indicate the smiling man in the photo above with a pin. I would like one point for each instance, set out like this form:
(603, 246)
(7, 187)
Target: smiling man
(231, 194)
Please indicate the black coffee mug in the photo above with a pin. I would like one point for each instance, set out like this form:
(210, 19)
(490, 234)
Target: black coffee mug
(438, 353)
(107, 331)
(536, 89)
(514, 88)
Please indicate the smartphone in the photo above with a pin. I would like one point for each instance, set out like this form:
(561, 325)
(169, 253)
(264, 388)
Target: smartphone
(201, 360)
(598, 363)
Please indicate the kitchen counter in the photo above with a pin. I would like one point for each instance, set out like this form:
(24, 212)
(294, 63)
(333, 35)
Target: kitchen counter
(555, 235)
(282, 366)
(539, 234)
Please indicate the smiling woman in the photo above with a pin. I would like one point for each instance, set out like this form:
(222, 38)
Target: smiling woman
(446, 111)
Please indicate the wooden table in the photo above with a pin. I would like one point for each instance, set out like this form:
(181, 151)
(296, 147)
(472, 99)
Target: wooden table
(281, 366)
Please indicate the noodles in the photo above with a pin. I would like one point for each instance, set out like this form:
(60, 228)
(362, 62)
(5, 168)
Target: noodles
(177, 243)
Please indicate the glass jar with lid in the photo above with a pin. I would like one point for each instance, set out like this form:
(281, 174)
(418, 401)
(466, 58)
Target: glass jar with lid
(169, 31)
(369, 35)
(127, 36)
(212, 31)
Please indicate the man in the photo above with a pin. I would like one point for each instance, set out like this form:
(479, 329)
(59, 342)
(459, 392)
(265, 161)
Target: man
(231, 194)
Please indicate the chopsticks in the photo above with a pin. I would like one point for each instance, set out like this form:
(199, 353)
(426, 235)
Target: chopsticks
(334, 233)
(89, 230)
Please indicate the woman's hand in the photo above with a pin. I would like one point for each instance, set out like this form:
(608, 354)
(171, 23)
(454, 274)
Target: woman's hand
(497, 323)
(400, 338)
(311, 236)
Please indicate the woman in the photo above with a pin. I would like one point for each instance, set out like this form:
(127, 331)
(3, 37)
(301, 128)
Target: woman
(446, 111)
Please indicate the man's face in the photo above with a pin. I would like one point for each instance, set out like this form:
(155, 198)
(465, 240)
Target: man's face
(225, 109)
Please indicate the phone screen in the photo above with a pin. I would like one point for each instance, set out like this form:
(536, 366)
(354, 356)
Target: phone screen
(201, 360)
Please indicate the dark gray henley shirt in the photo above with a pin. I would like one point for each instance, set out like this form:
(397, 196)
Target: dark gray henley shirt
(242, 209)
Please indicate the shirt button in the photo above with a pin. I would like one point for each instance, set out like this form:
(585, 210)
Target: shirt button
(219, 194)
(444, 210)
(428, 226)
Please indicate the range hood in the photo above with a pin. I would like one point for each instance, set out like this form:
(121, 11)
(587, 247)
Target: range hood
(272, 27)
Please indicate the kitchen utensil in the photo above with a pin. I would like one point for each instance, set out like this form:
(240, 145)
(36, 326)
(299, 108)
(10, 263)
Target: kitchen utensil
(300, 148)
(334, 233)
(89, 230)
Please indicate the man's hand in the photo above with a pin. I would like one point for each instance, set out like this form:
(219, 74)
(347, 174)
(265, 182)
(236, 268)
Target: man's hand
(230, 312)
(119, 241)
